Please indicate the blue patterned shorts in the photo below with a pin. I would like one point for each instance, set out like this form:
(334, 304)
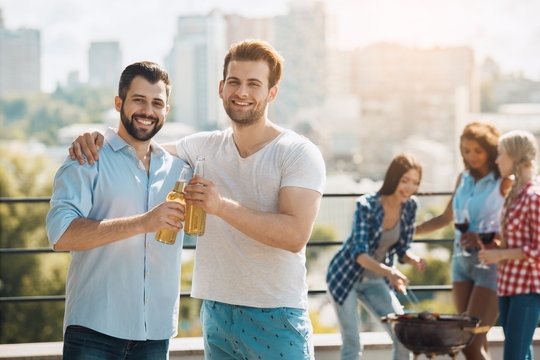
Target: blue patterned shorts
(241, 332)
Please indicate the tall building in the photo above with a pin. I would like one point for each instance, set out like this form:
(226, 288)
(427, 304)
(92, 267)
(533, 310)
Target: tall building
(104, 64)
(301, 37)
(241, 28)
(20, 60)
(413, 94)
(195, 66)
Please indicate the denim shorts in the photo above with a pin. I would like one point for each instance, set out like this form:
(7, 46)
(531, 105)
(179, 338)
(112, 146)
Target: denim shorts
(241, 332)
(464, 270)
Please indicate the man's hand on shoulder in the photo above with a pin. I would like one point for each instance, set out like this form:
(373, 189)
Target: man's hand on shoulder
(86, 144)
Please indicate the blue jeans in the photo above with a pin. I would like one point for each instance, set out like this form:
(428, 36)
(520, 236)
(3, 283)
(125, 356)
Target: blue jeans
(519, 316)
(81, 343)
(248, 333)
(377, 297)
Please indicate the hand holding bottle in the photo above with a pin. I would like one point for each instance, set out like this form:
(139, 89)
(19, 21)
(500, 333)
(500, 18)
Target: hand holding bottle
(469, 240)
(195, 215)
(167, 215)
(203, 192)
(166, 234)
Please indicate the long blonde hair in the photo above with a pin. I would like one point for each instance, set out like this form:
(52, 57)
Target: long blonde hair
(521, 147)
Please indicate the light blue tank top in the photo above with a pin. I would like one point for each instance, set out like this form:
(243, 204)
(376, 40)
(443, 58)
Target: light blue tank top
(482, 200)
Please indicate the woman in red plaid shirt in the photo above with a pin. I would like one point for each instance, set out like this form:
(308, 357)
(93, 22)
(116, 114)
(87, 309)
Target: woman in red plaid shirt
(518, 277)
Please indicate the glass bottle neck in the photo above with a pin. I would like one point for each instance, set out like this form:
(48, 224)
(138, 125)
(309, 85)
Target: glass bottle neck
(179, 186)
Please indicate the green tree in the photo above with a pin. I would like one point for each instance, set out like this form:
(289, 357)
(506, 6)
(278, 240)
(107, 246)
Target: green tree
(23, 226)
(40, 115)
(320, 233)
(189, 324)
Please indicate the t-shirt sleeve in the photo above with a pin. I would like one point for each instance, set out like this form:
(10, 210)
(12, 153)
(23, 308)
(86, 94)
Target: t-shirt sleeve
(72, 197)
(183, 149)
(305, 168)
(189, 147)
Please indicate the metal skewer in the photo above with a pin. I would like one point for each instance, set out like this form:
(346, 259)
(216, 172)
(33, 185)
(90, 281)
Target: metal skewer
(413, 301)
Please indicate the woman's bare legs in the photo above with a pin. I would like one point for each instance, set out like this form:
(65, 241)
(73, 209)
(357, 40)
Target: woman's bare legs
(480, 302)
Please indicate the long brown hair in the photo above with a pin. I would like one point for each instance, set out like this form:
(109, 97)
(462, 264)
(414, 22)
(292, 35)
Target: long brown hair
(487, 136)
(399, 166)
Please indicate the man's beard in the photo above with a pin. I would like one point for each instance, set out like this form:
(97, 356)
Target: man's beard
(247, 118)
(139, 134)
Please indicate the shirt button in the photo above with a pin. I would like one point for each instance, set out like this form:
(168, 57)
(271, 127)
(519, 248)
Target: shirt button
(148, 245)
(146, 299)
(130, 148)
(148, 273)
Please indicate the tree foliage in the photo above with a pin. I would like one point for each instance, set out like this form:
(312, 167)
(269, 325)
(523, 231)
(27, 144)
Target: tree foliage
(39, 116)
(23, 226)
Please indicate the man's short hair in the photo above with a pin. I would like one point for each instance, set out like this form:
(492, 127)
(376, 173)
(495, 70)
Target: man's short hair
(256, 50)
(151, 71)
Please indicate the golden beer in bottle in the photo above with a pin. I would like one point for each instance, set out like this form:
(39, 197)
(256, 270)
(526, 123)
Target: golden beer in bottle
(195, 216)
(177, 194)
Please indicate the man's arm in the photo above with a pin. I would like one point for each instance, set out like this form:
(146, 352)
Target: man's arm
(69, 221)
(86, 234)
(289, 229)
(170, 148)
(88, 144)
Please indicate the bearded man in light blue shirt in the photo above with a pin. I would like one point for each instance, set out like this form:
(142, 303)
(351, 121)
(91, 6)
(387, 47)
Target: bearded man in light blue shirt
(123, 286)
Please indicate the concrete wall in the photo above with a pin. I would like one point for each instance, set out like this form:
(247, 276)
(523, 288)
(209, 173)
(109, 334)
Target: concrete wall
(377, 346)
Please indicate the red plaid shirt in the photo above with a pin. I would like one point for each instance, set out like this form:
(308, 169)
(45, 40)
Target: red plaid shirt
(522, 230)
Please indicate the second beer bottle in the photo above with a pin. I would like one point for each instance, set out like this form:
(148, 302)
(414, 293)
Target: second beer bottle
(177, 194)
(195, 221)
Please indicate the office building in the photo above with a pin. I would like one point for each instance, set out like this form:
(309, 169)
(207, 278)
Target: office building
(20, 60)
(300, 36)
(195, 67)
(104, 64)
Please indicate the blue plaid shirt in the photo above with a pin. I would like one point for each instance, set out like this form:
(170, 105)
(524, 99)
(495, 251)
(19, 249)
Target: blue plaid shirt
(344, 271)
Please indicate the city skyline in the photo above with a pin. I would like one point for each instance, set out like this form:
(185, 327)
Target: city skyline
(503, 30)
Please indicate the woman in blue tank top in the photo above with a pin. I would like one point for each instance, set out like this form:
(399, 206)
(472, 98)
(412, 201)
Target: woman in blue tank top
(475, 208)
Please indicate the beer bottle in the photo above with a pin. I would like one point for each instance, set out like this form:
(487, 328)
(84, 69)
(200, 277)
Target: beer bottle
(177, 194)
(195, 216)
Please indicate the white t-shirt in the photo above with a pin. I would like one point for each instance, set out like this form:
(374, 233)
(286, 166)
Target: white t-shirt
(231, 267)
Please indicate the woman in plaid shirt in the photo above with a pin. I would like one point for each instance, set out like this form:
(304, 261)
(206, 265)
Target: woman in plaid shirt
(518, 278)
(363, 268)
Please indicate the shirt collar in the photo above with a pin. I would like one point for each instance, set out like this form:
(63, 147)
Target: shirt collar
(117, 143)
(488, 177)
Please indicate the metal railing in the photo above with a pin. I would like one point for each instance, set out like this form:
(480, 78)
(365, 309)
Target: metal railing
(20, 299)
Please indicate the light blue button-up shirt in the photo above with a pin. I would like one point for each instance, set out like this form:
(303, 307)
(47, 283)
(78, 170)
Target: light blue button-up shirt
(482, 200)
(130, 288)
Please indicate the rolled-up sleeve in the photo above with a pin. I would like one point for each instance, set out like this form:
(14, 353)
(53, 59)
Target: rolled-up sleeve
(72, 197)
(531, 249)
(408, 224)
(360, 235)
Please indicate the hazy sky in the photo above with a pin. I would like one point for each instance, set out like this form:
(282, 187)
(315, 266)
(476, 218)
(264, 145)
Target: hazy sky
(506, 30)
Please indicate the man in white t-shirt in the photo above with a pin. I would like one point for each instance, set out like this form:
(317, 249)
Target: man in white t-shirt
(261, 190)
